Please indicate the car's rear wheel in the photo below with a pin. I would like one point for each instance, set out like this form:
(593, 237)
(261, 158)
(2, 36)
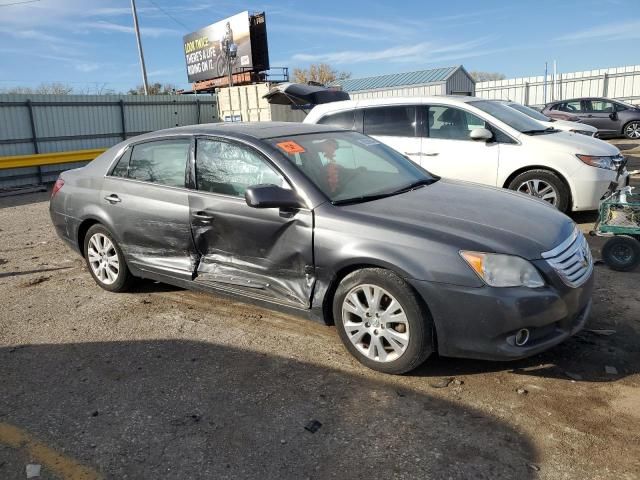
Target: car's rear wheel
(632, 130)
(105, 260)
(621, 253)
(545, 185)
(382, 321)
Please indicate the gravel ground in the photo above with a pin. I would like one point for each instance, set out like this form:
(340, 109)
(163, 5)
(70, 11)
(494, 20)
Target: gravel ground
(168, 383)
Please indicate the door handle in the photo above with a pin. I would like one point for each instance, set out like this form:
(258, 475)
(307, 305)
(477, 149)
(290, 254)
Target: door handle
(202, 216)
(412, 153)
(432, 154)
(113, 198)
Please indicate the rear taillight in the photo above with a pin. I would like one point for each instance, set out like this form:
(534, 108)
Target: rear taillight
(56, 187)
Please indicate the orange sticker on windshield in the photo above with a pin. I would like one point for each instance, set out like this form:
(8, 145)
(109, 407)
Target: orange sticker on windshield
(290, 147)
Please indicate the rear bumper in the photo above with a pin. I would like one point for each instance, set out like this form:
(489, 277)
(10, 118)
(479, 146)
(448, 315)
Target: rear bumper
(482, 322)
(66, 228)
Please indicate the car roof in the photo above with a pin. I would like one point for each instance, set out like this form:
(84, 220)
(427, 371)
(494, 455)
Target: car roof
(578, 99)
(258, 130)
(371, 102)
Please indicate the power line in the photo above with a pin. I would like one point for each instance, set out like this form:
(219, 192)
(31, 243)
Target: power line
(188, 29)
(18, 3)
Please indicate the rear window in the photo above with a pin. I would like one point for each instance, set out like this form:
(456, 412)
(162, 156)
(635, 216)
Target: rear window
(163, 162)
(393, 121)
(344, 120)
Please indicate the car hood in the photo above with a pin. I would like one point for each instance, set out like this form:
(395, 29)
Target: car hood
(566, 125)
(469, 216)
(572, 143)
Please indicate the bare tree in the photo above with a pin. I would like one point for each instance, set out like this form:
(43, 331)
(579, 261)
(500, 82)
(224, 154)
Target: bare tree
(487, 76)
(55, 88)
(319, 73)
(155, 89)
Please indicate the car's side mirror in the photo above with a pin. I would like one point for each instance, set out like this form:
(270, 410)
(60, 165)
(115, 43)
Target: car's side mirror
(613, 115)
(272, 196)
(481, 134)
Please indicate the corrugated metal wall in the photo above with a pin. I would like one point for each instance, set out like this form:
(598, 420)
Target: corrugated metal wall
(32, 124)
(460, 83)
(622, 83)
(413, 91)
(78, 122)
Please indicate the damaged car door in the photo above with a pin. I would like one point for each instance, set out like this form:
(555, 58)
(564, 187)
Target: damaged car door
(261, 253)
(146, 199)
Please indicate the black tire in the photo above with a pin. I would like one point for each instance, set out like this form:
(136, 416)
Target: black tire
(418, 319)
(123, 279)
(621, 253)
(563, 195)
(631, 130)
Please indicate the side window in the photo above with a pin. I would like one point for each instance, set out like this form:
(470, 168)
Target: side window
(341, 120)
(228, 168)
(599, 106)
(452, 123)
(570, 106)
(163, 162)
(397, 121)
(619, 107)
(122, 167)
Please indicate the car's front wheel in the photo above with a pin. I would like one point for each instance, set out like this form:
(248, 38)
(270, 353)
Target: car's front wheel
(382, 321)
(105, 260)
(632, 130)
(545, 185)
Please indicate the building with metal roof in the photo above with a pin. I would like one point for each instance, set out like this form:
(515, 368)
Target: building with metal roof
(436, 81)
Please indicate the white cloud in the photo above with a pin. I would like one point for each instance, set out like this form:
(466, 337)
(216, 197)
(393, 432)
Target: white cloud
(405, 53)
(118, 28)
(87, 67)
(610, 31)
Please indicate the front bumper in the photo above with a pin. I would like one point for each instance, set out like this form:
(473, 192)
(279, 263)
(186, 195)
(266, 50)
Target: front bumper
(589, 184)
(482, 322)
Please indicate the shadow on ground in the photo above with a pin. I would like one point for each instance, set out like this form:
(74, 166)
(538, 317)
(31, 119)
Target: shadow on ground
(181, 409)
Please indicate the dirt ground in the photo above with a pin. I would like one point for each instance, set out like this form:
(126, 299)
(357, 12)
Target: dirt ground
(168, 383)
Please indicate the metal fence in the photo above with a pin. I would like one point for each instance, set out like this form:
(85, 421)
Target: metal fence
(622, 83)
(34, 124)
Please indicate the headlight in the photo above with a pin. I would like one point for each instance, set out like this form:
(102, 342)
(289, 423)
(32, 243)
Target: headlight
(608, 162)
(503, 270)
(583, 132)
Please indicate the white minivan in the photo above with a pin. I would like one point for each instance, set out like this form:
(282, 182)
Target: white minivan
(486, 142)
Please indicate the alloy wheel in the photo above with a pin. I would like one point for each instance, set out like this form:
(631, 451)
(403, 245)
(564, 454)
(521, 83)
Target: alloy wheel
(540, 189)
(103, 258)
(632, 130)
(375, 323)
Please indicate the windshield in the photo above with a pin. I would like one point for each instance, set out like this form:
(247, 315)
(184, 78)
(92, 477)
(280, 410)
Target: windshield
(515, 119)
(536, 115)
(350, 167)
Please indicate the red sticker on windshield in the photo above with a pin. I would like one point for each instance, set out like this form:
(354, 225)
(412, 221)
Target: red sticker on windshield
(290, 147)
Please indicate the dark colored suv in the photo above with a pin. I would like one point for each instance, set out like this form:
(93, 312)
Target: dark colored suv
(612, 118)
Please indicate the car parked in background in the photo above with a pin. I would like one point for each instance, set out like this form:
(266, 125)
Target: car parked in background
(612, 118)
(392, 255)
(486, 142)
(572, 124)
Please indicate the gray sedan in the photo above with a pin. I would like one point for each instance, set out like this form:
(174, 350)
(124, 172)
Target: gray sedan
(336, 226)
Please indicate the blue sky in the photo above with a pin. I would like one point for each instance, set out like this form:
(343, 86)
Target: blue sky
(90, 43)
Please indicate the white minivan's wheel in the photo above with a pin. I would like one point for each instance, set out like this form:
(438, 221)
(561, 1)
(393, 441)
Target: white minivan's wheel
(105, 260)
(545, 185)
(382, 322)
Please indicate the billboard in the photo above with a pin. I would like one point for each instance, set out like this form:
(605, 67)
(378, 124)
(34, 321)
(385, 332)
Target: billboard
(228, 44)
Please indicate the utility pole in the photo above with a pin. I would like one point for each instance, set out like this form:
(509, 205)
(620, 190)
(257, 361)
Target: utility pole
(545, 82)
(140, 54)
